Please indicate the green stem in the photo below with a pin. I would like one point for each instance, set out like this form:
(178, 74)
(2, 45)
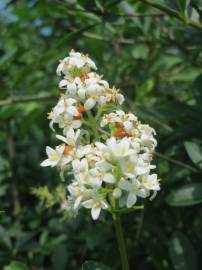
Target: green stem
(93, 124)
(127, 210)
(121, 242)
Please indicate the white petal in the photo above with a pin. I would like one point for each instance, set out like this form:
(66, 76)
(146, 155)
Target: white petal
(77, 202)
(63, 83)
(135, 182)
(88, 204)
(71, 189)
(49, 151)
(117, 193)
(71, 87)
(131, 200)
(142, 193)
(76, 124)
(66, 160)
(128, 126)
(91, 63)
(70, 101)
(120, 98)
(60, 148)
(109, 178)
(84, 164)
(61, 138)
(95, 182)
(77, 135)
(59, 69)
(76, 165)
(142, 170)
(125, 185)
(95, 212)
(51, 125)
(82, 93)
(104, 205)
(91, 90)
(72, 110)
(89, 104)
(70, 134)
(46, 163)
(102, 100)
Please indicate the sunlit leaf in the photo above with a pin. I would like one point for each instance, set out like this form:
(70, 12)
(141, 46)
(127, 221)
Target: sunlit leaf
(90, 265)
(15, 265)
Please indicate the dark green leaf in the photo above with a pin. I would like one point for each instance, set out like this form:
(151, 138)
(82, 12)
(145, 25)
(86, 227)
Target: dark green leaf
(187, 195)
(194, 152)
(182, 253)
(182, 5)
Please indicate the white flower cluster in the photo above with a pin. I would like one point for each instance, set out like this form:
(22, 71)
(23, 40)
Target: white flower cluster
(110, 172)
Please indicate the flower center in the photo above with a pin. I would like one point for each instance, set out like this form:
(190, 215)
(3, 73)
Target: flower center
(67, 149)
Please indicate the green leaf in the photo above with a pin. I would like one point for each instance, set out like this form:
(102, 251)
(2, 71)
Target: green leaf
(15, 265)
(59, 257)
(182, 6)
(182, 253)
(194, 152)
(140, 51)
(187, 195)
(91, 265)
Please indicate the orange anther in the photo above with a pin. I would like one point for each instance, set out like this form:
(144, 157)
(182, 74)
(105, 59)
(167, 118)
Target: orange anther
(84, 77)
(120, 133)
(67, 149)
(119, 126)
(80, 109)
(77, 117)
(110, 101)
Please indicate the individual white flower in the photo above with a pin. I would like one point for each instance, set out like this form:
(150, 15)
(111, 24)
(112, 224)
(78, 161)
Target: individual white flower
(119, 149)
(75, 63)
(150, 182)
(81, 171)
(97, 176)
(132, 188)
(65, 114)
(95, 204)
(80, 166)
(128, 121)
(78, 192)
(71, 137)
(54, 156)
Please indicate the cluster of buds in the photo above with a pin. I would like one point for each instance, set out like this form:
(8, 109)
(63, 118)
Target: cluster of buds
(109, 153)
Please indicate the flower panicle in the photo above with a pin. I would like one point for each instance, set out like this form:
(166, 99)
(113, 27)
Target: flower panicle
(115, 166)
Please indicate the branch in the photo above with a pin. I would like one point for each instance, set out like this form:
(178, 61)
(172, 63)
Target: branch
(15, 100)
(105, 13)
(173, 13)
(127, 210)
(97, 37)
(177, 162)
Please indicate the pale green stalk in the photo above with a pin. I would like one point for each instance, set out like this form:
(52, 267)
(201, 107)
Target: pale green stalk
(121, 242)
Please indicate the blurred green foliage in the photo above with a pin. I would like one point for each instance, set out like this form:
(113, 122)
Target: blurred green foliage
(155, 59)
